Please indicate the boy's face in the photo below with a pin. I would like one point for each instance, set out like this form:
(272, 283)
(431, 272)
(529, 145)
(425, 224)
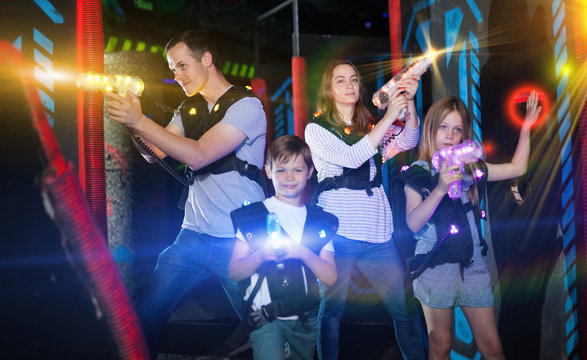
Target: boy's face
(289, 179)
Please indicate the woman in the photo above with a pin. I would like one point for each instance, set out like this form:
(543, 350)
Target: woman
(345, 151)
(449, 241)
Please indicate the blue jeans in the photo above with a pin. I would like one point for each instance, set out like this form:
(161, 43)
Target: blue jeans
(382, 266)
(183, 266)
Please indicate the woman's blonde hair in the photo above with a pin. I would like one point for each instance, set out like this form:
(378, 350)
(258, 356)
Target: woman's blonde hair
(436, 114)
(326, 104)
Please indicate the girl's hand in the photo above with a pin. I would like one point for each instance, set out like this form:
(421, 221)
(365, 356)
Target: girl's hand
(397, 102)
(533, 110)
(447, 176)
(410, 86)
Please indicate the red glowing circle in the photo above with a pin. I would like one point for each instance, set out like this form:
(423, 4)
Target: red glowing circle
(520, 95)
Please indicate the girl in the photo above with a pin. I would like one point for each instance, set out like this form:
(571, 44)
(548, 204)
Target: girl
(344, 146)
(455, 274)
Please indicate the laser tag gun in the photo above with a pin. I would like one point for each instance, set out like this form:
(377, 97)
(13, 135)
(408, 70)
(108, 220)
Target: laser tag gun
(416, 67)
(274, 236)
(464, 153)
(120, 84)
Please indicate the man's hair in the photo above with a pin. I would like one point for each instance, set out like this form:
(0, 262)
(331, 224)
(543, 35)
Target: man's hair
(286, 148)
(198, 43)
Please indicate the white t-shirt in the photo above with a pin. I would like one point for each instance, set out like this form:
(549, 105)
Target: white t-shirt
(292, 220)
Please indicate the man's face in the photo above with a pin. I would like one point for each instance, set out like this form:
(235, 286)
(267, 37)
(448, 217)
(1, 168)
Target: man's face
(189, 73)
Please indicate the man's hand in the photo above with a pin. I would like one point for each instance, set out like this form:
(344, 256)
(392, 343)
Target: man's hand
(124, 110)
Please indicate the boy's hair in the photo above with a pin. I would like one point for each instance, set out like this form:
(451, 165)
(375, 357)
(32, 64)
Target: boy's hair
(361, 116)
(286, 148)
(198, 43)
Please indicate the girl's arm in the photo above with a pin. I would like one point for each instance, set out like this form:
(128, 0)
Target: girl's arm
(519, 163)
(418, 212)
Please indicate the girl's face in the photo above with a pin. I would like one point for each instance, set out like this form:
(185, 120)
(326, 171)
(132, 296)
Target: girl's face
(450, 132)
(345, 85)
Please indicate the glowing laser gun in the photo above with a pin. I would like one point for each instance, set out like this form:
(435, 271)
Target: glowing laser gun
(115, 83)
(464, 153)
(416, 67)
(274, 236)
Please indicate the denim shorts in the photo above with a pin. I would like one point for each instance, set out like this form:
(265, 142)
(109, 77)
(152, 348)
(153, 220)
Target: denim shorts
(442, 287)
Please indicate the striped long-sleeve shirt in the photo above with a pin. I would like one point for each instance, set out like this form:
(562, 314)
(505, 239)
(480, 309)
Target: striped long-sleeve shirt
(361, 217)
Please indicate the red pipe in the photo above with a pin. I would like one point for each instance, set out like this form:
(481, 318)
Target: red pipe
(395, 34)
(86, 248)
(300, 105)
(90, 57)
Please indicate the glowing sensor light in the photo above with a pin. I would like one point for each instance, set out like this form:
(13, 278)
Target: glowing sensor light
(454, 229)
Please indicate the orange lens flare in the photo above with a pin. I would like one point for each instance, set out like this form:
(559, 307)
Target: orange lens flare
(520, 95)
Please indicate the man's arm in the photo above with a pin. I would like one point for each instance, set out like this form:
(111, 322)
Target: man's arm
(216, 143)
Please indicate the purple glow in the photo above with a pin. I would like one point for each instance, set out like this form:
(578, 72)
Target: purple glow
(405, 167)
(479, 173)
(483, 214)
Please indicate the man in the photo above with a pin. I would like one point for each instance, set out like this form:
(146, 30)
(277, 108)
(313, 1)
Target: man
(219, 133)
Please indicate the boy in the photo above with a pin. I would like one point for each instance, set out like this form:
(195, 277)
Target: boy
(284, 303)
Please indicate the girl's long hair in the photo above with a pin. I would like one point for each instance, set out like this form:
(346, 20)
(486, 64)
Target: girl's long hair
(361, 116)
(436, 114)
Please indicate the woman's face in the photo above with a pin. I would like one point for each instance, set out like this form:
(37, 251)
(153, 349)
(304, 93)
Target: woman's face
(450, 132)
(345, 85)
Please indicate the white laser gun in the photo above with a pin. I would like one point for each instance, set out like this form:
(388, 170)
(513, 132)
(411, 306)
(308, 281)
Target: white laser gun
(464, 153)
(416, 67)
(120, 84)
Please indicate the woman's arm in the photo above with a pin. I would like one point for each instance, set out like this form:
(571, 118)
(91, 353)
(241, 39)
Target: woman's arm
(328, 147)
(519, 163)
(408, 137)
(418, 212)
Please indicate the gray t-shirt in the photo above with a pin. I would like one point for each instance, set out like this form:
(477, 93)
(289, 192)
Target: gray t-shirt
(212, 197)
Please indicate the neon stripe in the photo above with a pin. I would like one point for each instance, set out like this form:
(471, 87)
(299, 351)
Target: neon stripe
(18, 43)
(126, 45)
(43, 61)
(475, 10)
(452, 22)
(43, 41)
(111, 45)
(463, 81)
(417, 7)
(50, 11)
(46, 100)
(44, 78)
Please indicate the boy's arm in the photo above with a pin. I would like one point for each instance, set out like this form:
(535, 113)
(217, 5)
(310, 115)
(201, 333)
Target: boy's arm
(245, 263)
(322, 266)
